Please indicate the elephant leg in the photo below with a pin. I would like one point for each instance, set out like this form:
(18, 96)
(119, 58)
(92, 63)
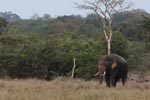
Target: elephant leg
(107, 79)
(123, 81)
(124, 78)
(101, 79)
(114, 80)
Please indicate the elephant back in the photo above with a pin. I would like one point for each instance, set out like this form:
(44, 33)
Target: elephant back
(118, 58)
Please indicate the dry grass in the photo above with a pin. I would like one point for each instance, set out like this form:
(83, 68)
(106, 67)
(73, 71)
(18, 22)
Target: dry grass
(67, 89)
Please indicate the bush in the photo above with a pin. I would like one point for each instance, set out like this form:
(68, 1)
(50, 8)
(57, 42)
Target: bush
(119, 44)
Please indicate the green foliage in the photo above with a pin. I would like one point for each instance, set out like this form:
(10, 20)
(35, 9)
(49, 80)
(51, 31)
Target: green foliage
(62, 51)
(9, 16)
(25, 55)
(146, 22)
(3, 25)
(126, 22)
(87, 52)
(138, 58)
(19, 50)
(45, 47)
(119, 44)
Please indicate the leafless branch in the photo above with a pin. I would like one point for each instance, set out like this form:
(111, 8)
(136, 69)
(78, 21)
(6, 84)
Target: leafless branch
(105, 9)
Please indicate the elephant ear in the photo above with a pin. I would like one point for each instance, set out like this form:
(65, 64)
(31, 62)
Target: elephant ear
(113, 66)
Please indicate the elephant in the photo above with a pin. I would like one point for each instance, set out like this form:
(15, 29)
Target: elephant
(113, 67)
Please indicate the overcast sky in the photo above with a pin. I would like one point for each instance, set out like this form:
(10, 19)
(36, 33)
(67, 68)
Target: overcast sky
(26, 8)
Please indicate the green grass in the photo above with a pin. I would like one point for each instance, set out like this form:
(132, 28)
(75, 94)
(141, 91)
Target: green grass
(68, 89)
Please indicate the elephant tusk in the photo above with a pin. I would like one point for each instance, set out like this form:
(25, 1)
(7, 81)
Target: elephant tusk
(97, 73)
(103, 74)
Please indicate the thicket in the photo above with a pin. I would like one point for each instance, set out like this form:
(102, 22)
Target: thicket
(28, 55)
(31, 54)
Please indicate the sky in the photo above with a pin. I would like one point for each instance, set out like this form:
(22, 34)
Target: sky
(26, 8)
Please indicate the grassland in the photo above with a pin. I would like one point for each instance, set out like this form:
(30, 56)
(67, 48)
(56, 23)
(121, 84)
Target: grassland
(67, 89)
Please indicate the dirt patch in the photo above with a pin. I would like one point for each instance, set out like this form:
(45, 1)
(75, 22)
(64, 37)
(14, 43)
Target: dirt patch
(139, 78)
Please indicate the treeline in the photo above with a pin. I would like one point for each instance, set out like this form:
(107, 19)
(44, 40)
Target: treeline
(126, 22)
(28, 55)
(44, 47)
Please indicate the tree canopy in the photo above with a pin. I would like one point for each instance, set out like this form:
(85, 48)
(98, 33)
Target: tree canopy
(44, 48)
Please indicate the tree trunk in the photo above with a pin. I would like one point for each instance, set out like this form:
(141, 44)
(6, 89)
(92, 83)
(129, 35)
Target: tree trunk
(72, 75)
(109, 47)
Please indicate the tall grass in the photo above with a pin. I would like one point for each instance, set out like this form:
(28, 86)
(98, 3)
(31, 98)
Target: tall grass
(68, 89)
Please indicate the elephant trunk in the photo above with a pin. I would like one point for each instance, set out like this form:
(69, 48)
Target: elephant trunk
(100, 76)
(101, 79)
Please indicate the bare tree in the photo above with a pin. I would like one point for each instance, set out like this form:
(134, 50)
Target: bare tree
(105, 9)
(73, 69)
